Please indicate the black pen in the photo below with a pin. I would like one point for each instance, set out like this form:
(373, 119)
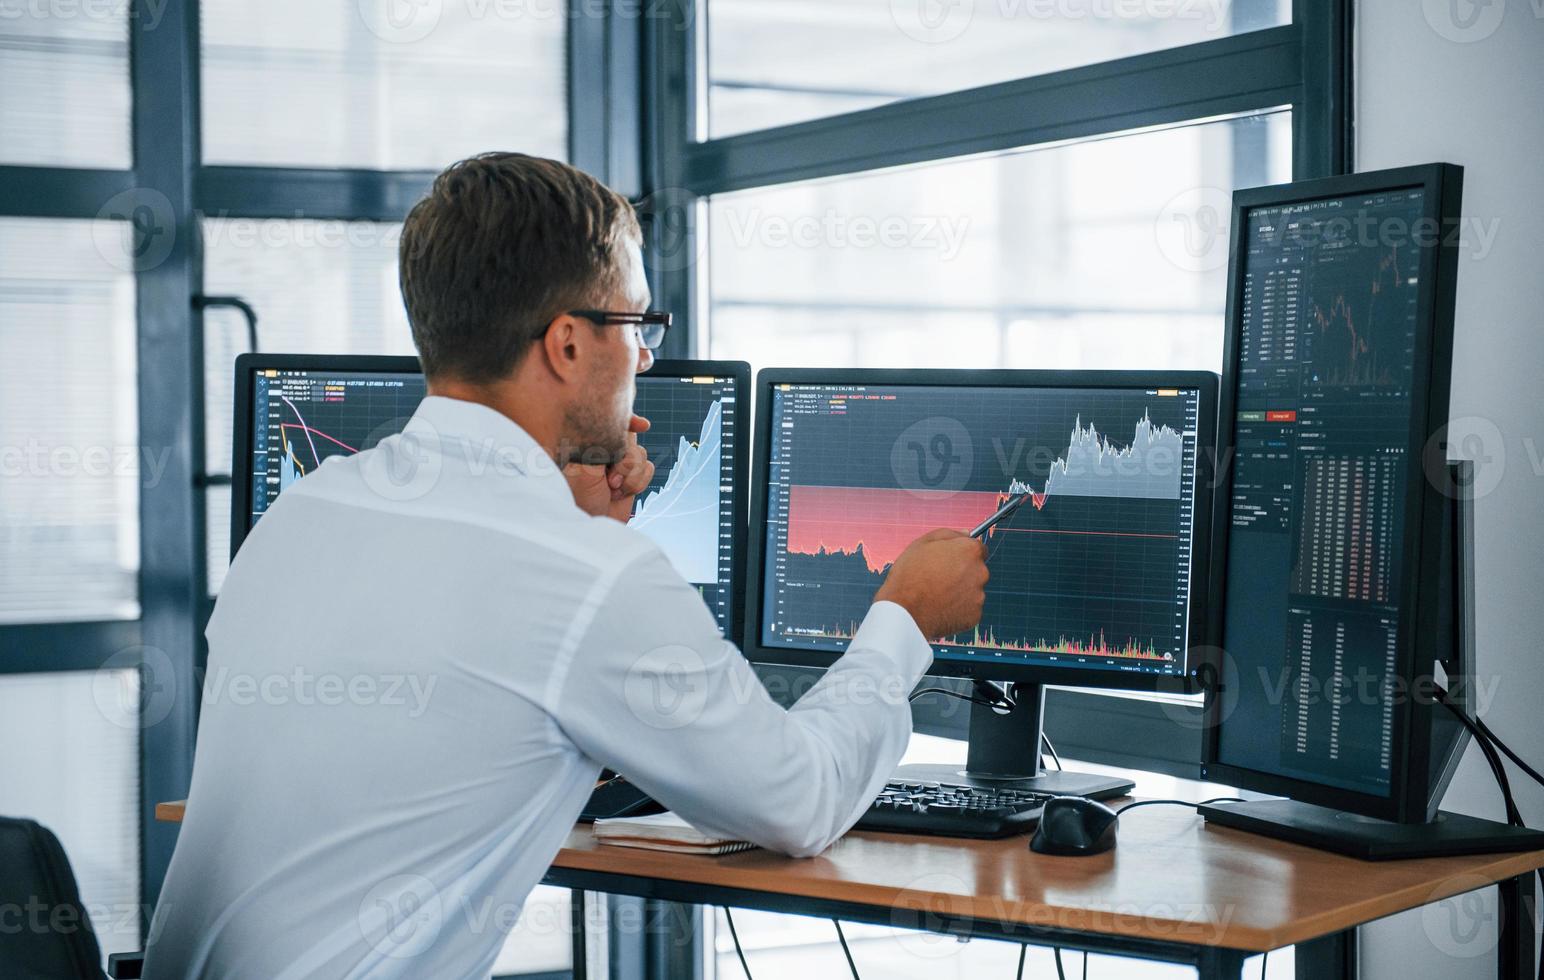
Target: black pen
(1003, 513)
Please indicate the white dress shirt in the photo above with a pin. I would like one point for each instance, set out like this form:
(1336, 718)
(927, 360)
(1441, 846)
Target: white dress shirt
(420, 661)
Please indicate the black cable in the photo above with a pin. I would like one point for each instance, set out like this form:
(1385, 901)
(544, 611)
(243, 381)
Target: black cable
(1023, 950)
(983, 702)
(1060, 973)
(845, 951)
(736, 937)
(1534, 773)
(1220, 799)
(1085, 964)
(1488, 743)
(1051, 749)
(1264, 958)
(1497, 768)
(1443, 697)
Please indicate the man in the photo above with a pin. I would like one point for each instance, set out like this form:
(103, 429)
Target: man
(478, 568)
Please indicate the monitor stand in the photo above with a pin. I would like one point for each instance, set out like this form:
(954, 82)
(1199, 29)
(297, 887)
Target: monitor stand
(1005, 751)
(1370, 839)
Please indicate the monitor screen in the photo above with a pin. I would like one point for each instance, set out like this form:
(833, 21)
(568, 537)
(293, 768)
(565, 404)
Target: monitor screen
(302, 417)
(302, 413)
(1093, 573)
(1325, 365)
(689, 509)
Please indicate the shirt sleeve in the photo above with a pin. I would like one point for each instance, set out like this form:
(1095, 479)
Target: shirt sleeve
(653, 691)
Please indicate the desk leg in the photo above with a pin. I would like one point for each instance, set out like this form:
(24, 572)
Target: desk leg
(1516, 953)
(673, 941)
(576, 924)
(1219, 964)
(1333, 957)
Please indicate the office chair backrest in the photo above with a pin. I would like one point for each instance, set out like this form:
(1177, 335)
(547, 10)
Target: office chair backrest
(47, 935)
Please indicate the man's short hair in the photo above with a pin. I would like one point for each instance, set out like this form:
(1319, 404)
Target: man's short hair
(502, 244)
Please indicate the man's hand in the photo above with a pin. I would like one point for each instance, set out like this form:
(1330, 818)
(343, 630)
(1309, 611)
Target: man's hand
(608, 491)
(940, 579)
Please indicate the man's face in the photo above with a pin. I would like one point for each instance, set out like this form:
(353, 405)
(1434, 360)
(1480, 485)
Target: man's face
(596, 422)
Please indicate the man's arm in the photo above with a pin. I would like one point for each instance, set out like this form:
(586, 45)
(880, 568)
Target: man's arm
(653, 691)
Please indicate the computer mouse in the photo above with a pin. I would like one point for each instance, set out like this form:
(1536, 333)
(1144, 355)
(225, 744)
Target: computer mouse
(1074, 826)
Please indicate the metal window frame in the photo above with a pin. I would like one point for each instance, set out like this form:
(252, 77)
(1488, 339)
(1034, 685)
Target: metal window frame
(1305, 66)
(603, 59)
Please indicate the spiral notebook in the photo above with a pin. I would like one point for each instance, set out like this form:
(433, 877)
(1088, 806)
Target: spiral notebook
(664, 832)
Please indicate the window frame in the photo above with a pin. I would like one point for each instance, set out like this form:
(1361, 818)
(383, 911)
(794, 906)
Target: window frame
(602, 61)
(1305, 66)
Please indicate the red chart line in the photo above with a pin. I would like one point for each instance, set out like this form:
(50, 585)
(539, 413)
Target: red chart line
(308, 431)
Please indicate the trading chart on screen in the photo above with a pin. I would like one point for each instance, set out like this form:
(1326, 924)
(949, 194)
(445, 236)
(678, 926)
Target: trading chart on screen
(302, 418)
(1093, 572)
(1329, 315)
(688, 508)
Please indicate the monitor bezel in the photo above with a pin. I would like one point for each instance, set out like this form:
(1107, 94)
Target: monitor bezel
(1198, 655)
(247, 366)
(1409, 784)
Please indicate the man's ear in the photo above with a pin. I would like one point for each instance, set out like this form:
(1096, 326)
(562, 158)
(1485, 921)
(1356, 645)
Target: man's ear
(562, 343)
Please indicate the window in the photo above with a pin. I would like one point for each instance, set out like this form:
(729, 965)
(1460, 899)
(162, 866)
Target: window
(1104, 253)
(319, 287)
(64, 84)
(396, 85)
(84, 788)
(70, 458)
(773, 62)
(838, 195)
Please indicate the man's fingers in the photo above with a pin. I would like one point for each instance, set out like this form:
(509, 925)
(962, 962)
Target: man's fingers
(638, 424)
(941, 534)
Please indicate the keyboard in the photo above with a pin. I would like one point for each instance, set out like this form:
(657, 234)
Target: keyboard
(952, 810)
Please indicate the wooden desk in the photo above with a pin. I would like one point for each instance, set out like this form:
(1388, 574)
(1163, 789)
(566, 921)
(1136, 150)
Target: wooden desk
(1174, 889)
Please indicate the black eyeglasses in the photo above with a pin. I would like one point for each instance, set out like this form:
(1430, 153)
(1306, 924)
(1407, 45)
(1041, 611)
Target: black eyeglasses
(652, 327)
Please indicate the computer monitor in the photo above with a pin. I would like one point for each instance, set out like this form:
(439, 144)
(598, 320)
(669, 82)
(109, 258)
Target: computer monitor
(295, 411)
(1336, 585)
(1095, 582)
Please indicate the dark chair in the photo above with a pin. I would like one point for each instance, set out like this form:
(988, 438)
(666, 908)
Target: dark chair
(45, 933)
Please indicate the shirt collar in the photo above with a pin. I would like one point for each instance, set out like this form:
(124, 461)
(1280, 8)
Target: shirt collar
(487, 441)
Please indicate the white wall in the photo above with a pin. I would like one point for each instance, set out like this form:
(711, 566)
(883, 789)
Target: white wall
(1463, 82)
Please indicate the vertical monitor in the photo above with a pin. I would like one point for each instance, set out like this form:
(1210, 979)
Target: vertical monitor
(1093, 578)
(1339, 347)
(294, 412)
